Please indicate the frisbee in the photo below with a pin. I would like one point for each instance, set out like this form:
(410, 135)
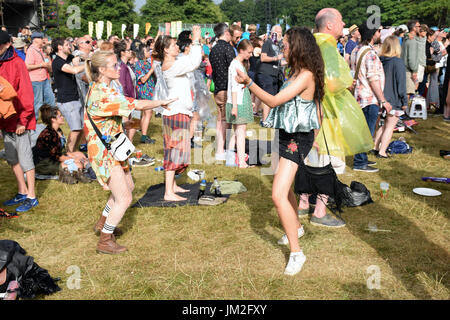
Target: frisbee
(428, 192)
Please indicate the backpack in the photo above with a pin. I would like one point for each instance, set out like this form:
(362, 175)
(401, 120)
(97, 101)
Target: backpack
(399, 147)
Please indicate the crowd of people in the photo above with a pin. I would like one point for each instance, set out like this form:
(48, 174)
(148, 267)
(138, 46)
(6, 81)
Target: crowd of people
(313, 87)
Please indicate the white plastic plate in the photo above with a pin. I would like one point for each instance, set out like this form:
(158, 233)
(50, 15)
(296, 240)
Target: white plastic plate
(428, 192)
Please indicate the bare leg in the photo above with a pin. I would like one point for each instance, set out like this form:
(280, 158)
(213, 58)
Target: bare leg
(145, 121)
(240, 142)
(121, 193)
(321, 206)
(170, 194)
(21, 185)
(74, 136)
(304, 201)
(266, 111)
(284, 203)
(389, 125)
(194, 121)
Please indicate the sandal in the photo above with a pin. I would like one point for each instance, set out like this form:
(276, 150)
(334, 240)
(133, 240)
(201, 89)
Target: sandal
(4, 214)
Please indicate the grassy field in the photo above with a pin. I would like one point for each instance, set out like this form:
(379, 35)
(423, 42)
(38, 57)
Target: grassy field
(230, 251)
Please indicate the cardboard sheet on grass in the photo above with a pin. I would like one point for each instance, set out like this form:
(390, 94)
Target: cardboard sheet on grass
(154, 197)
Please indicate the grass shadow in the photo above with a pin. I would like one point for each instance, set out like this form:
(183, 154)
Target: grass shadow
(260, 215)
(406, 248)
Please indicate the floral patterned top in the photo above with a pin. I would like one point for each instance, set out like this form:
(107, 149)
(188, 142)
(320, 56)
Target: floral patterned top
(106, 107)
(49, 145)
(144, 90)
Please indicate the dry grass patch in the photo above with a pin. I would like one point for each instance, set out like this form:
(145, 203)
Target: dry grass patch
(230, 251)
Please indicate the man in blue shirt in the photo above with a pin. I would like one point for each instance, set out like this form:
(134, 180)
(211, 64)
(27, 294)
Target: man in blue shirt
(19, 46)
(355, 36)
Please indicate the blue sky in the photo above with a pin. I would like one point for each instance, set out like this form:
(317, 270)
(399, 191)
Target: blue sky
(140, 3)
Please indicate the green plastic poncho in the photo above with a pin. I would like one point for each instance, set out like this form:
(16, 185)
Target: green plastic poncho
(343, 122)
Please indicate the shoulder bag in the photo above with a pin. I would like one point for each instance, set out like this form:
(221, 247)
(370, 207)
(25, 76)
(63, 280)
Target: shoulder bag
(320, 180)
(358, 67)
(121, 148)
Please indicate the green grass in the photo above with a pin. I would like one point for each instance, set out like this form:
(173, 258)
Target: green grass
(230, 251)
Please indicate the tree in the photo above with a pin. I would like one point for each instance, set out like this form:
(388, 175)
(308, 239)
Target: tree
(116, 11)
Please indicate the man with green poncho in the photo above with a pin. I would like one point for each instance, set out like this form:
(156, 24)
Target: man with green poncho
(343, 123)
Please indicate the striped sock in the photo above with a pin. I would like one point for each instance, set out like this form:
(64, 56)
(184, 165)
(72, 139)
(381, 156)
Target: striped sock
(107, 228)
(106, 211)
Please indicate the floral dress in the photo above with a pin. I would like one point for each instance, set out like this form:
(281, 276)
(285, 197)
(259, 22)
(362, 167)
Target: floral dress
(106, 107)
(144, 90)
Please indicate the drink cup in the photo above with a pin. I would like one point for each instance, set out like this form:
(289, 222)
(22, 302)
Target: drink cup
(384, 186)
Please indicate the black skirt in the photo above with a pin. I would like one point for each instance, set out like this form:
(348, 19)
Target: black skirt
(292, 146)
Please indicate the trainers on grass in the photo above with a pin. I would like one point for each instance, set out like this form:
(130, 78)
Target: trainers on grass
(284, 238)
(327, 221)
(295, 264)
(366, 168)
(27, 205)
(18, 198)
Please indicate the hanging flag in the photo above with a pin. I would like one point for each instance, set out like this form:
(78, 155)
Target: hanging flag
(108, 29)
(90, 28)
(173, 29)
(124, 27)
(246, 27)
(148, 25)
(257, 26)
(135, 30)
(268, 28)
(99, 29)
(287, 27)
(179, 27)
(167, 28)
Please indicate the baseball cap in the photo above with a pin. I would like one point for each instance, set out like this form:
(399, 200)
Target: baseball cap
(446, 30)
(4, 37)
(37, 34)
(434, 28)
(403, 27)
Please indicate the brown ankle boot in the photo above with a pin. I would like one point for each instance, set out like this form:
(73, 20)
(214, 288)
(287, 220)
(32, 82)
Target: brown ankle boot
(107, 244)
(99, 226)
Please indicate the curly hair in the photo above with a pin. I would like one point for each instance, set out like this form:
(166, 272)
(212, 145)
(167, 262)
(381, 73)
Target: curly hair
(304, 53)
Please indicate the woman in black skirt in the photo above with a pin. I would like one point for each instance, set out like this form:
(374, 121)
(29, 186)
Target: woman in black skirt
(298, 96)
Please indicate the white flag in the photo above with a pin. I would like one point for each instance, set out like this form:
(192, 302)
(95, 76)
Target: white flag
(90, 28)
(124, 27)
(108, 29)
(135, 30)
(99, 29)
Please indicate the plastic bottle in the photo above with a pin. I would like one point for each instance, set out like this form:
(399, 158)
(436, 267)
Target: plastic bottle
(216, 186)
(202, 189)
(384, 186)
(159, 169)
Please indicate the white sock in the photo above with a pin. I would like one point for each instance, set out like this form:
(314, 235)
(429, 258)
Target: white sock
(106, 211)
(300, 253)
(107, 228)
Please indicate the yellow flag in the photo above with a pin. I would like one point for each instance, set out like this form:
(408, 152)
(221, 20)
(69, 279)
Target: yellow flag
(148, 25)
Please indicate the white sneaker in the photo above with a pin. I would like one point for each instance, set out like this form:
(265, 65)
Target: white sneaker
(284, 238)
(295, 264)
(221, 156)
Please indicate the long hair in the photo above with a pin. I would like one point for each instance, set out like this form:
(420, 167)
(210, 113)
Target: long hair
(94, 63)
(391, 47)
(244, 45)
(162, 43)
(304, 53)
(120, 47)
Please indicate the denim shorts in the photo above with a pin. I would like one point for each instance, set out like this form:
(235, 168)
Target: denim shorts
(73, 113)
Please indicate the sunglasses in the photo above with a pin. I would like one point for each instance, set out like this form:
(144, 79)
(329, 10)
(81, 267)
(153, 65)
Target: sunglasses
(87, 42)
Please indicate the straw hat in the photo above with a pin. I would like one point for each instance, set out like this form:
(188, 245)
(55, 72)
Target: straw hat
(19, 43)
